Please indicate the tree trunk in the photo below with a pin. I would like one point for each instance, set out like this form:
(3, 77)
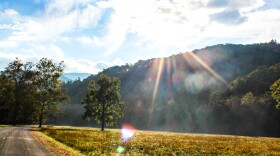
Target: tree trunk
(103, 118)
(102, 125)
(41, 116)
(16, 104)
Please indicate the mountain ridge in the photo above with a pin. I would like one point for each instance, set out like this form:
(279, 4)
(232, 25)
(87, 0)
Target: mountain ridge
(173, 93)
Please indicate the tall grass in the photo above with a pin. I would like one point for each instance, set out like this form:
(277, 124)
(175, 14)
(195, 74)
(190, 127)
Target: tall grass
(91, 141)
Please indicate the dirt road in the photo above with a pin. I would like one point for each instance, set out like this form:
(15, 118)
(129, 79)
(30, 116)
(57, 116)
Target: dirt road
(18, 141)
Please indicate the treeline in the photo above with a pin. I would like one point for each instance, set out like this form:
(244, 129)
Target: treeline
(178, 93)
(246, 106)
(30, 93)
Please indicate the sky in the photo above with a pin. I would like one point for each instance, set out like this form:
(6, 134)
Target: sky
(91, 35)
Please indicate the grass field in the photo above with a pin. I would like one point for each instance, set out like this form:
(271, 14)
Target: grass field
(1, 126)
(91, 141)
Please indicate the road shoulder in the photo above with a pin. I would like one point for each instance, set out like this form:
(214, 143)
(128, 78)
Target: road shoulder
(54, 146)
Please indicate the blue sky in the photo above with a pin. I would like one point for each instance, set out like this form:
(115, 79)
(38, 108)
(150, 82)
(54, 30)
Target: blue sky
(90, 35)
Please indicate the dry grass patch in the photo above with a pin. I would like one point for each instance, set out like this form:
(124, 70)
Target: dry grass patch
(54, 146)
(91, 141)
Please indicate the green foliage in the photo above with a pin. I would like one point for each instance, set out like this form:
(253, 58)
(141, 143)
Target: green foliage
(275, 91)
(28, 92)
(7, 99)
(250, 94)
(91, 141)
(216, 100)
(257, 82)
(17, 81)
(50, 93)
(248, 99)
(103, 101)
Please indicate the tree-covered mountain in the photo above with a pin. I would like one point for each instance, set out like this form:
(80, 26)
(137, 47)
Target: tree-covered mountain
(194, 91)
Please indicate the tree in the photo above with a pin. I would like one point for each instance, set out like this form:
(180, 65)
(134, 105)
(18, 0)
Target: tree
(248, 99)
(21, 77)
(6, 99)
(103, 101)
(49, 89)
(18, 93)
(275, 92)
(14, 71)
(216, 100)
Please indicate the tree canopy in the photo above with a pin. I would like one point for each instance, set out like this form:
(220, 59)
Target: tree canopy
(30, 91)
(50, 93)
(275, 91)
(103, 101)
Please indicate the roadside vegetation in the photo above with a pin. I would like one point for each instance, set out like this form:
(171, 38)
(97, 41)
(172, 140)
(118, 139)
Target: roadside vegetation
(55, 147)
(2, 126)
(92, 141)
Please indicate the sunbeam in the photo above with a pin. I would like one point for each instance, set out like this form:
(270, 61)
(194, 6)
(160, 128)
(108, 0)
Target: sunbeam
(160, 67)
(207, 67)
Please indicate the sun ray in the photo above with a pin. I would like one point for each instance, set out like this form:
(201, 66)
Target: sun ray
(174, 63)
(160, 68)
(207, 67)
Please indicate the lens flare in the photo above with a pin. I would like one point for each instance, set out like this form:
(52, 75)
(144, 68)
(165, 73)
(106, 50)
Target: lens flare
(127, 131)
(120, 149)
(207, 67)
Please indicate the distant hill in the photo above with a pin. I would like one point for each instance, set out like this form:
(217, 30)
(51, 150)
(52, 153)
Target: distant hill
(176, 93)
(74, 76)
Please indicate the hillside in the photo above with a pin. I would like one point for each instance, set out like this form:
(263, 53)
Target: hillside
(172, 94)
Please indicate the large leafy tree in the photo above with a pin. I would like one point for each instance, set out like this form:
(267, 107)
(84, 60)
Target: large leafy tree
(28, 95)
(14, 71)
(275, 91)
(103, 101)
(19, 78)
(49, 89)
(7, 100)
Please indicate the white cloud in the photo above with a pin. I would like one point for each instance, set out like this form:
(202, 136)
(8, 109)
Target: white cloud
(262, 26)
(7, 57)
(229, 17)
(118, 62)
(14, 26)
(162, 24)
(10, 12)
(60, 17)
(88, 40)
(83, 65)
(165, 25)
(63, 7)
(236, 4)
(233, 11)
(146, 25)
(88, 66)
(57, 51)
(8, 44)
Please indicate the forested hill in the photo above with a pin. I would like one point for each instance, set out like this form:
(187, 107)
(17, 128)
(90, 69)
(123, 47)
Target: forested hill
(175, 93)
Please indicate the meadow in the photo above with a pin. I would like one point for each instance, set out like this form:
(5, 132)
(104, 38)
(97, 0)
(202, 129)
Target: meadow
(2, 126)
(92, 141)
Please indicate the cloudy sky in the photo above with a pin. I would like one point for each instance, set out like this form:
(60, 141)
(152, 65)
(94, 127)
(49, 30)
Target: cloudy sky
(90, 35)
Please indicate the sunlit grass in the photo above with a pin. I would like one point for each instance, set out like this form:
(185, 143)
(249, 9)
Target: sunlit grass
(2, 126)
(91, 141)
